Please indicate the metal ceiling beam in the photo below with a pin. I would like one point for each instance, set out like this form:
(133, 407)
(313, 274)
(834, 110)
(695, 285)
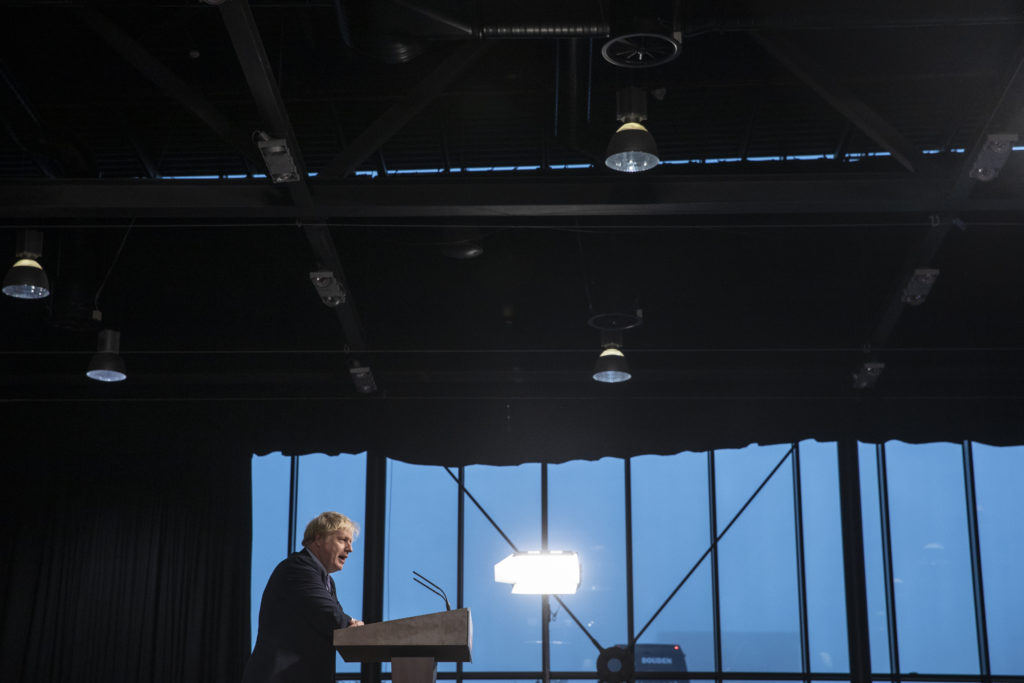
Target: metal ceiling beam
(921, 255)
(166, 80)
(252, 56)
(392, 121)
(28, 132)
(845, 16)
(1005, 115)
(840, 97)
(797, 194)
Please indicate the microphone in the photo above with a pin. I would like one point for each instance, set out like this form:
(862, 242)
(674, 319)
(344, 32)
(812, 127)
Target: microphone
(432, 587)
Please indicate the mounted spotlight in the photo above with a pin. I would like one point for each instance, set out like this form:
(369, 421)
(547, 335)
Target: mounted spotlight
(868, 374)
(919, 286)
(462, 243)
(106, 365)
(992, 156)
(611, 366)
(632, 149)
(362, 377)
(26, 279)
(328, 287)
(281, 166)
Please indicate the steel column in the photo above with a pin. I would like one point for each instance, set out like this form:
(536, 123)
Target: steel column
(293, 502)
(545, 620)
(887, 568)
(374, 541)
(628, 485)
(716, 615)
(853, 562)
(801, 570)
(460, 571)
(984, 663)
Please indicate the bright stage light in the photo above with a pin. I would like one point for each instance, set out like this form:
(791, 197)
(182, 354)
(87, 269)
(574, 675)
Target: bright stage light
(553, 572)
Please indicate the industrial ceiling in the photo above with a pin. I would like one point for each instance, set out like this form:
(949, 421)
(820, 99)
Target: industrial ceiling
(819, 161)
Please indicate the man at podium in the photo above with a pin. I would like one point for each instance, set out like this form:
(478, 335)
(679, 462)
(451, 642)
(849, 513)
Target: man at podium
(300, 609)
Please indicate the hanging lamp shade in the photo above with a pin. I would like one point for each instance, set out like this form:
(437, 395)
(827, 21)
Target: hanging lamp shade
(612, 367)
(106, 364)
(26, 280)
(632, 149)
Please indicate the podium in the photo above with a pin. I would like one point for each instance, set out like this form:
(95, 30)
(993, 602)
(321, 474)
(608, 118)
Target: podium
(413, 645)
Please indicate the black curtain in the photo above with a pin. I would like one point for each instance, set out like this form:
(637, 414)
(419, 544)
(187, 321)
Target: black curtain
(124, 567)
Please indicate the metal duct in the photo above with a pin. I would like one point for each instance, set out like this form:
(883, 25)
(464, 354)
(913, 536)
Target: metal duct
(391, 31)
(573, 30)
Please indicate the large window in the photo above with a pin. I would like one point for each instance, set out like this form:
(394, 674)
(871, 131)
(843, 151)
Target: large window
(999, 475)
(757, 563)
(736, 565)
(827, 644)
(670, 534)
(506, 627)
(270, 500)
(587, 514)
(287, 493)
(931, 559)
(422, 536)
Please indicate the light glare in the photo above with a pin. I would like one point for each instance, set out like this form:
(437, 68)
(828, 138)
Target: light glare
(540, 573)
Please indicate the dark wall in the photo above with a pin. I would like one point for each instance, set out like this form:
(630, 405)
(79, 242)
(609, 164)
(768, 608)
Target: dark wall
(497, 431)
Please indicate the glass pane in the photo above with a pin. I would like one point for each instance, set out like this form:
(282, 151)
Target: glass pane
(586, 514)
(671, 531)
(336, 483)
(759, 604)
(931, 559)
(422, 536)
(874, 566)
(998, 474)
(271, 476)
(823, 558)
(506, 627)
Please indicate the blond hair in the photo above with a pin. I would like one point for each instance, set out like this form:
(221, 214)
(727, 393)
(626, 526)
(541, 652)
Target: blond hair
(326, 523)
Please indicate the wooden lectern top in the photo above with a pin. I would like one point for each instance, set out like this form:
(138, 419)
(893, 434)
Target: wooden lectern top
(444, 636)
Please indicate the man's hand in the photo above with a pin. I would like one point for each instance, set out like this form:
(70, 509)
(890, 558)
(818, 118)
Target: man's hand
(355, 622)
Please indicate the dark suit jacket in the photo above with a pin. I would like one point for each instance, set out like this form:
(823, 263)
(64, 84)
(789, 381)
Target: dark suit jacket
(298, 616)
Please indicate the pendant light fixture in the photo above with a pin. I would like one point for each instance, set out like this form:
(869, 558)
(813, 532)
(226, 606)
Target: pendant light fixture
(632, 148)
(611, 366)
(106, 364)
(26, 279)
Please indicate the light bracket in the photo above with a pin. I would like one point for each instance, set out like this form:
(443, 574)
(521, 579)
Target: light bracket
(631, 105)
